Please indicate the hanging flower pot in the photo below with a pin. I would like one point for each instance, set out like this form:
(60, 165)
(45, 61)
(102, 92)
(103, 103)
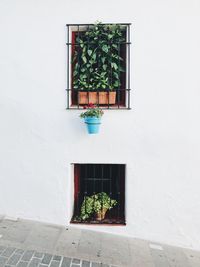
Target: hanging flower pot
(93, 124)
(92, 118)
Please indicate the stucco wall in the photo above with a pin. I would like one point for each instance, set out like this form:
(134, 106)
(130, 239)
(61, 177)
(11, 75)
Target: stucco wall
(158, 139)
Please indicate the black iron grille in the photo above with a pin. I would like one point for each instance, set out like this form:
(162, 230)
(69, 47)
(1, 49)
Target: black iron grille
(91, 179)
(89, 78)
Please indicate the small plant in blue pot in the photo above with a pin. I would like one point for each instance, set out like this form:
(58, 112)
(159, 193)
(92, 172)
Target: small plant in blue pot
(92, 117)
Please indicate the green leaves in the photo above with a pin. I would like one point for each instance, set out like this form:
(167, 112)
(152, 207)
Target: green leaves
(115, 46)
(103, 59)
(116, 83)
(94, 56)
(104, 66)
(105, 48)
(95, 203)
(75, 72)
(89, 52)
(114, 65)
(84, 58)
(97, 63)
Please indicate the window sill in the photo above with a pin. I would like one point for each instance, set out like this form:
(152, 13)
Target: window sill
(104, 107)
(117, 222)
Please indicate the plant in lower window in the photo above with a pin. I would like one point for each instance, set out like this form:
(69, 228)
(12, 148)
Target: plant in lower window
(97, 205)
(97, 63)
(92, 117)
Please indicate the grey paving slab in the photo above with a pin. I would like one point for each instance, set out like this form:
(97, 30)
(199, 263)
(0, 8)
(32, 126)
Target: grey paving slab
(85, 264)
(19, 251)
(68, 241)
(27, 255)
(47, 258)
(42, 265)
(140, 254)
(66, 262)
(2, 248)
(89, 243)
(57, 258)
(14, 259)
(159, 258)
(15, 231)
(193, 257)
(54, 263)
(9, 243)
(8, 252)
(22, 264)
(76, 261)
(176, 257)
(104, 265)
(95, 264)
(38, 255)
(43, 237)
(114, 250)
(3, 260)
(34, 262)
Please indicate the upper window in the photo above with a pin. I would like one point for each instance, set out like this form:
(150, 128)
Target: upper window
(98, 65)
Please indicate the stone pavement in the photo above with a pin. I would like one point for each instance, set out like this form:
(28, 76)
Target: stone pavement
(10, 256)
(26, 243)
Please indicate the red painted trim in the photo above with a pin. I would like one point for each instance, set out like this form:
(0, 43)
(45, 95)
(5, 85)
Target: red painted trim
(76, 186)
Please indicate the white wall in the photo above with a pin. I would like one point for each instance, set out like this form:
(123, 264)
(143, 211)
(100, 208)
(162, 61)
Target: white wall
(159, 138)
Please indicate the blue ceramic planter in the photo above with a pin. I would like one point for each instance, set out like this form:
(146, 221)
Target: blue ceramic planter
(93, 124)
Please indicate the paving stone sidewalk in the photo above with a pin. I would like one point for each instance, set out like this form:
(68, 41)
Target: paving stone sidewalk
(10, 257)
(25, 243)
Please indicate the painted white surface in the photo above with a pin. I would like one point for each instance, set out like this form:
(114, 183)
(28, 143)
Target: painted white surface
(159, 139)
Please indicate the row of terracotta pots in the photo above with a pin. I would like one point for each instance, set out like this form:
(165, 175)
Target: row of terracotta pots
(101, 98)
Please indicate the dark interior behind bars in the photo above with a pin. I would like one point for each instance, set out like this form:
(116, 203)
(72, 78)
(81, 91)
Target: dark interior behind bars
(95, 178)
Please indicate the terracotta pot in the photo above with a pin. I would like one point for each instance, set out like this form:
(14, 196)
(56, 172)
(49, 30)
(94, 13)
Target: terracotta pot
(87, 97)
(107, 98)
(92, 97)
(101, 214)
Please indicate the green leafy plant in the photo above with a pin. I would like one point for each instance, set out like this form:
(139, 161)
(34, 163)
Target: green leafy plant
(95, 204)
(97, 63)
(92, 111)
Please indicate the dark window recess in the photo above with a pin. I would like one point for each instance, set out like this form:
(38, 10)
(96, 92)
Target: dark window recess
(90, 179)
(115, 98)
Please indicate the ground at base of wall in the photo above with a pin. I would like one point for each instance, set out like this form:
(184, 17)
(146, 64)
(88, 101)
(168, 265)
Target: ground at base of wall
(10, 257)
(26, 243)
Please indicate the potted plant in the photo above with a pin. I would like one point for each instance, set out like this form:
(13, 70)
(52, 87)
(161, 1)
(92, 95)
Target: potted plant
(97, 204)
(97, 63)
(92, 117)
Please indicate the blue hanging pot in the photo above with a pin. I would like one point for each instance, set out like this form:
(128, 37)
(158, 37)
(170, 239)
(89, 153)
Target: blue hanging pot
(93, 124)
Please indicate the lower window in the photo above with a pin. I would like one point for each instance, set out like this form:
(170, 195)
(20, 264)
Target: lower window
(99, 194)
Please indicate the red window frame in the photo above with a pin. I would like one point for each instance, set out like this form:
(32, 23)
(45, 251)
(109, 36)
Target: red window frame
(115, 215)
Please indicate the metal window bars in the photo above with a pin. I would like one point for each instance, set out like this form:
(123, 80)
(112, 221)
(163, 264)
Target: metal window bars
(96, 178)
(109, 96)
